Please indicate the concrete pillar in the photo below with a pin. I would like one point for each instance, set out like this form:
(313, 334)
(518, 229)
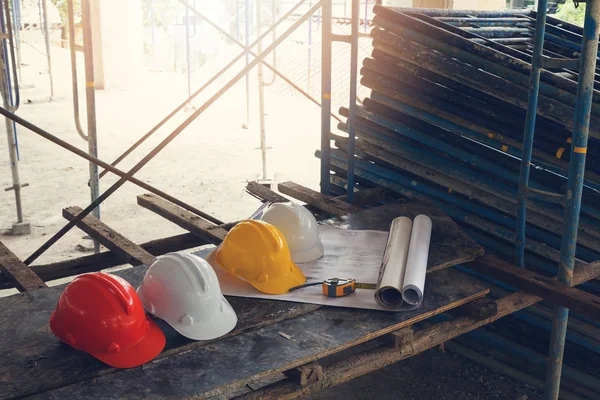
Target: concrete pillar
(433, 3)
(97, 44)
(121, 36)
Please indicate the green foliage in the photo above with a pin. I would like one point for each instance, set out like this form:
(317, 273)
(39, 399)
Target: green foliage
(162, 11)
(568, 13)
(61, 6)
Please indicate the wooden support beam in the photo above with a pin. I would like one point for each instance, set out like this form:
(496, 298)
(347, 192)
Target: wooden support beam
(323, 202)
(310, 373)
(479, 309)
(107, 259)
(401, 338)
(121, 246)
(364, 197)
(187, 220)
(423, 339)
(548, 288)
(17, 271)
(264, 193)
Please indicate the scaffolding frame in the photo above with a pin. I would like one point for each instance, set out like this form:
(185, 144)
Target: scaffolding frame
(572, 198)
(587, 65)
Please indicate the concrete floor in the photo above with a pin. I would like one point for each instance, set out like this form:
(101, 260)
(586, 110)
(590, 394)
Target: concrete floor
(434, 374)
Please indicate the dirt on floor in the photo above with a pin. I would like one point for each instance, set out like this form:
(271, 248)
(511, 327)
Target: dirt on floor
(434, 374)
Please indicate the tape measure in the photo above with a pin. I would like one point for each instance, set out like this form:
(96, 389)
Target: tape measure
(338, 287)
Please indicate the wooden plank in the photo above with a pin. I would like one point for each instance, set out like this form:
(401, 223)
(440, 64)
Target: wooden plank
(264, 193)
(323, 202)
(239, 359)
(187, 220)
(124, 248)
(547, 287)
(424, 339)
(107, 259)
(17, 271)
(363, 197)
(449, 246)
(25, 337)
(479, 309)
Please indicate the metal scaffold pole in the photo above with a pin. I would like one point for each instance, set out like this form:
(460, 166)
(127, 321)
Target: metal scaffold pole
(47, 40)
(353, 90)
(158, 148)
(8, 75)
(90, 94)
(247, 42)
(261, 93)
(326, 95)
(534, 89)
(583, 105)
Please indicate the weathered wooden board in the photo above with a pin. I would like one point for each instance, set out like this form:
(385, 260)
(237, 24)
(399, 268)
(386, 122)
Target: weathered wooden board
(25, 336)
(450, 245)
(322, 202)
(363, 197)
(186, 219)
(107, 259)
(550, 289)
(124, 248)
(33, 360)
(17, 271)
(248, 356)
(264, 193)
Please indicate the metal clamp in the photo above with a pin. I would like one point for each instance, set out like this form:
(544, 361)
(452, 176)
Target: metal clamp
(13, 187)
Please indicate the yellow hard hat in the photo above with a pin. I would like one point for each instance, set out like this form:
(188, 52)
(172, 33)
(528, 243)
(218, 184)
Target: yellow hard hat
(257, 252)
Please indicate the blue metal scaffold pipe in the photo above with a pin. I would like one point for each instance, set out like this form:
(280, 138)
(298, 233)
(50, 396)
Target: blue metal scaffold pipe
(585, 89)
(353, 89)
(534, 88)
(326, 95)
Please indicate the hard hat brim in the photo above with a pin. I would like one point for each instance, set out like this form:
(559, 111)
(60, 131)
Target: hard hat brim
(140, 353)
(217, 325)
(283, 284)
(314, 253)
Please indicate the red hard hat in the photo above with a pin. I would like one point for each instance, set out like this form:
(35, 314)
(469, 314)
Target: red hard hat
(101, 314)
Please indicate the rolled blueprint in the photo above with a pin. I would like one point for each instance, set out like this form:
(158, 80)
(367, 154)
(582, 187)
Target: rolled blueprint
(416, 263)
(388, 292)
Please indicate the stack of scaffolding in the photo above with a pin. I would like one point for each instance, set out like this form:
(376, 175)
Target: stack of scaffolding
(445, 119)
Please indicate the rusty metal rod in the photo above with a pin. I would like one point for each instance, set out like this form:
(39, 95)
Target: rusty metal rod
(103, 164)
(169, 138)
(247, 49)
(206, 84)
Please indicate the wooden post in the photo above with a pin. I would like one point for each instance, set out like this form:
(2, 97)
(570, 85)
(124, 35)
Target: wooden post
(401, 338)
(304, 375)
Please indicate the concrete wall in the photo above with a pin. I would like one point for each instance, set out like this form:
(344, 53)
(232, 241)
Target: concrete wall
(454, 4)
(122, 38)
(479, 4)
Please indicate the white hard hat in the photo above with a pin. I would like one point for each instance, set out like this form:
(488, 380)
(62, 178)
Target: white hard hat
(299, 228)
(183, 290)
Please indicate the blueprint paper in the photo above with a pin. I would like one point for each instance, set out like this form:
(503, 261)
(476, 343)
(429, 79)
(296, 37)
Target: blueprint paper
(348, 254)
